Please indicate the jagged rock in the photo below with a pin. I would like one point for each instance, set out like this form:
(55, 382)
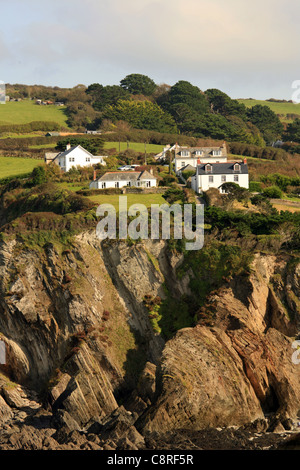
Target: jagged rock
(147, 382)
(5, 411)
(126, 444)
(117, 424)
(63, 420)
(259, 425)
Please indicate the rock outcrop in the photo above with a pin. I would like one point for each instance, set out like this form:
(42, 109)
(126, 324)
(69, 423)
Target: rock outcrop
(79, 342)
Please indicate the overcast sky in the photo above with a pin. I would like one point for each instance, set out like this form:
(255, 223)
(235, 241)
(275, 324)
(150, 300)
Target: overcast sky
(245, 48)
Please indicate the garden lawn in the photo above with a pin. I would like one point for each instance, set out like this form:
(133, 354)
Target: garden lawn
(146, 199)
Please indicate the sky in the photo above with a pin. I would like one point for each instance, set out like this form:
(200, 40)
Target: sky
(248, 49)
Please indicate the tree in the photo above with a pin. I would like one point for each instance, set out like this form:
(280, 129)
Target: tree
(223, 104)
(140, 115)
(185, 93)
(80, 115)
(292, 132)
(94, 145)
(138, 84)
(266, 121)
(102, 96)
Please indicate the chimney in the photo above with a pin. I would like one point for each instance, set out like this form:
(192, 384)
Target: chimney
(245, 161)
(198, 161)
(68, 146)
(95, 175)
(151, 171)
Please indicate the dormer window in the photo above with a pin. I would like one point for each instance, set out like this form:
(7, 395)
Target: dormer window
(236, 167)
(208, 168)
(184, 153)
(217, 153)
(198, 152)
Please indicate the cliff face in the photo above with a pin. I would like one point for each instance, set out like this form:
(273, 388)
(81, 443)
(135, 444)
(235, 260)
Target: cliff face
(80, 339)
(240, 369)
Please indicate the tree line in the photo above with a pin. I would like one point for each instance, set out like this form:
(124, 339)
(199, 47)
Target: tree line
(179, 109)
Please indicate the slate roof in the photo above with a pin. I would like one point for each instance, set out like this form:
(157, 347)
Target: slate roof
(188, 168)
(126, 176)
(206, 151)
(223, 169)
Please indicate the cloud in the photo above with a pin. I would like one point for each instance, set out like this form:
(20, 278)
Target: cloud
(104, 40)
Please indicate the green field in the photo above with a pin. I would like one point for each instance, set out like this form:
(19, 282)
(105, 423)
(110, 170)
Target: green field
(13, 166)
(136, 146)
(277, 108)
(23, 112)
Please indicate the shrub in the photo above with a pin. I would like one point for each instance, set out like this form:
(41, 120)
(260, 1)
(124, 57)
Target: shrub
(255, 186)
(273, 192)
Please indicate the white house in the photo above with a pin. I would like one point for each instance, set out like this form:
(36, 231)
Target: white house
(214, 175)
(162, 155)
(117, 179)
(73, 157)
(196, 155)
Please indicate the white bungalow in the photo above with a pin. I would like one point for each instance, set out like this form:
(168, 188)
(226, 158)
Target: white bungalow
(117, 179)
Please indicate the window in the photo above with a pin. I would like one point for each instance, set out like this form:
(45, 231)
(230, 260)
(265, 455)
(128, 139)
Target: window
(103, 185)
(116, 184)
(87, 159)
(198, 152)
(236, 178)
(208, 168)
(71, 159)
(184, 153)
(182, 164)
(236, 167)
(210, 179)
(223, 178)
(217, 153)
(148, 184)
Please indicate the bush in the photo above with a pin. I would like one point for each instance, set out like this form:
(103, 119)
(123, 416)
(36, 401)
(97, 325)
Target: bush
(255, 186)
(38, 176)
(273, 192)
(174, 194)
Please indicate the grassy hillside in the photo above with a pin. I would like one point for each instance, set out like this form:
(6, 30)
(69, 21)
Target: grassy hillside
(23, 112)
(136, 146)
(278, 108)
(10, 166)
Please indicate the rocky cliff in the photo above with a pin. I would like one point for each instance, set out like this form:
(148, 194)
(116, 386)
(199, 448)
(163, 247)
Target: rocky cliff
(89, 367)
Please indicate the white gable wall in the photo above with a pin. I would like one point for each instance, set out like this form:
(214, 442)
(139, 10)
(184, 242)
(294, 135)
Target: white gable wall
(78, 157)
